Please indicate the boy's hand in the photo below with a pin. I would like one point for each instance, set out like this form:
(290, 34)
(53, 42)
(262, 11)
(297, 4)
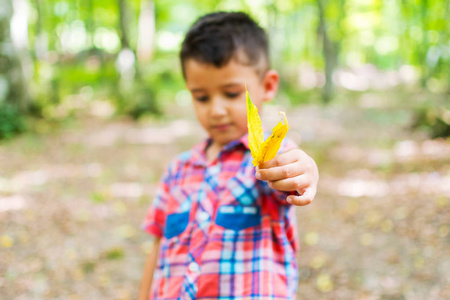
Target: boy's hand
(293, 170)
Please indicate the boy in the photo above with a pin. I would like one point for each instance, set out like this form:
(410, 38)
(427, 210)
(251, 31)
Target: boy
(223, 231)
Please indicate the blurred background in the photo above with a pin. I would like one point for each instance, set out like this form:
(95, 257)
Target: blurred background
(93, 106)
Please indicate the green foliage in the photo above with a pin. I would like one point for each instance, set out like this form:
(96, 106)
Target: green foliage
(98, 197)
(88, 266)
(75, 47)
(96, 77)
(11, 121)
(294, 94)
(433, 118)
(140, 101)
(115, 253)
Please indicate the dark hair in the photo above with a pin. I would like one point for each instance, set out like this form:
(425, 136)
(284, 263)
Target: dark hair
(218, 37)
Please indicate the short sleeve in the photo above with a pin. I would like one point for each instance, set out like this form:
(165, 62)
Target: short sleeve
(155, 220)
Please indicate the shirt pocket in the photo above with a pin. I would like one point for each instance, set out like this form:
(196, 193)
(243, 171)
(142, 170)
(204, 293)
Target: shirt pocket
(238, 217)
(176, 224)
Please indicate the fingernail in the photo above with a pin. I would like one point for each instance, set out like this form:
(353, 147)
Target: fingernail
(258, 175)
(289, 200)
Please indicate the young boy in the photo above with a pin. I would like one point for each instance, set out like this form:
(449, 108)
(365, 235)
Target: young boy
(223, 229)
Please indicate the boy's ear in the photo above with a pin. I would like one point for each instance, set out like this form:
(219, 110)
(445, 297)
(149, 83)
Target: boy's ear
(270, 84)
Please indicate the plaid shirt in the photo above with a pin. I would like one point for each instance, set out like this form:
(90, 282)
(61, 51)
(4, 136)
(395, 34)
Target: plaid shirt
(225, 234)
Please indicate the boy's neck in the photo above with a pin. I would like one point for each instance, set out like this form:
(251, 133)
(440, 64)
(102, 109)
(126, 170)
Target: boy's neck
(212, 152)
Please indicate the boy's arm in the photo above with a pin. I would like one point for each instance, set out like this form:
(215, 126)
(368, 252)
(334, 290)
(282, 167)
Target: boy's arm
(149, 269)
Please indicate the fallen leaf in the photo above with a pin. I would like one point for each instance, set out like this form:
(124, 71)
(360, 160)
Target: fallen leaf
(6, 241)
(311, 238)
(318, 261)
(366, 239)
(324, 283)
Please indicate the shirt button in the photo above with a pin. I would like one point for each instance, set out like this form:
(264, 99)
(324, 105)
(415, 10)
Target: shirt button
(194, 267)
(203, 216)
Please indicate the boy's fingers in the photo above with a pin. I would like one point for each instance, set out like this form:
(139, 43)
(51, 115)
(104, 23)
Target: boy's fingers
(291, 184)
(285, 158)
(305, 199)
(278, 173)
(299, 200)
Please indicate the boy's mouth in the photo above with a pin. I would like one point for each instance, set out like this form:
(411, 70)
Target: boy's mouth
(222, 127)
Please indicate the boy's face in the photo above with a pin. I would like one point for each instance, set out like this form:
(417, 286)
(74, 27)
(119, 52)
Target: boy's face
(219, 96)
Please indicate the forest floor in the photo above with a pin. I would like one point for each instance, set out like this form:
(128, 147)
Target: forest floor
(72, 200)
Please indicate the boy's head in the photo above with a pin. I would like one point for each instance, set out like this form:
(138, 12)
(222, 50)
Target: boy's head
(218, 37)
(222, 54)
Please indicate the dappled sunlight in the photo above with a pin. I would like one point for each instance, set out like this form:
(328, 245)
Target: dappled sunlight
(431, 149)
(144, 135)
(359, 188)
(26, 180)
(127, 190)
(427, 183)
(402, 184)
(359, 77)
(164, 135)
(368, 77)
(15, 202)
(402, 152)
(436, 149)
(105, 137)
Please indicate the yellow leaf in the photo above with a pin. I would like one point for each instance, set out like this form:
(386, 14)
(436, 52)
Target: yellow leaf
(255, 132)
(269, 147)
(311, 238)
(263, 150)
(6, 241)
(318, 261)
(324, 283)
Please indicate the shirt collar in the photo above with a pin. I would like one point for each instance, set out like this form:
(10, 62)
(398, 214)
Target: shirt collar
(199, 151)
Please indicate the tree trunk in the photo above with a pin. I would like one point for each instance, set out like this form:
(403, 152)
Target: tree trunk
(446, 34)
(146, 31)
(122, 24)
(423, 49)
(90, 25)
(329, 53)
(13, 88)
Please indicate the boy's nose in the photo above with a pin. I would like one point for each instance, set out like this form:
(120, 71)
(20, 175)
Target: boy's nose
(218, 108)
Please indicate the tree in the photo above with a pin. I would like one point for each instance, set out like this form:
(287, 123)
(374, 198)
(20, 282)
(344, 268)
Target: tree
(123, 18)
(14, 99)
(330, 47)
(146, 31)
(13, 89)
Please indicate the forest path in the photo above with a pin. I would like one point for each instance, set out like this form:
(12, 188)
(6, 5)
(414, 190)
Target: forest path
(72, 200)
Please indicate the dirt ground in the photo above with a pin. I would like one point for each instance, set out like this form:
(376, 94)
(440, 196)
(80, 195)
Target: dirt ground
(72, 200)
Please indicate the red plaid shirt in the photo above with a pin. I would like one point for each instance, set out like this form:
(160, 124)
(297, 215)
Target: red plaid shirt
(225, 234)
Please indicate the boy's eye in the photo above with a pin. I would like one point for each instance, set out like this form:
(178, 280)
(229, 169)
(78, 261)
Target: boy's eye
(233, 95)
(202, 98)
